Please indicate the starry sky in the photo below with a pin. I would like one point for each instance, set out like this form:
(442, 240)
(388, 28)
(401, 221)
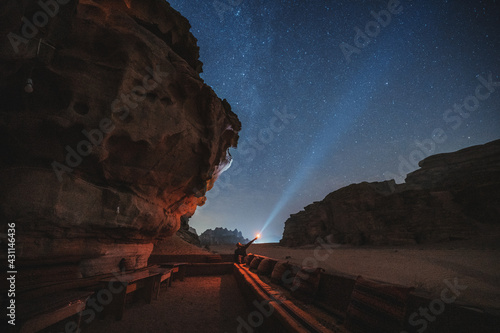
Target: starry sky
(332, 93)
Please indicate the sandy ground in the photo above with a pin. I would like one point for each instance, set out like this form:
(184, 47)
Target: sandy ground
(175, 245)
(197, 304)
(475, 264)
(214, 303)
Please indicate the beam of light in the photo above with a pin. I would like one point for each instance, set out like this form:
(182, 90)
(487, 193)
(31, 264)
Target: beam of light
(305, 169)
(352, 105)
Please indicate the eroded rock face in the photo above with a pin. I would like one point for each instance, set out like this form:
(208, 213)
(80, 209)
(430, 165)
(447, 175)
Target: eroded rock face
(188, 233)
(443, 200)
(120, 137)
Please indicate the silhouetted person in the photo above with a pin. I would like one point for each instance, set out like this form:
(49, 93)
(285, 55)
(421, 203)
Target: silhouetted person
(241, 250)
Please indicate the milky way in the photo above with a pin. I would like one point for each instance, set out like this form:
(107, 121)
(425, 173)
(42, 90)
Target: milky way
(332, 93)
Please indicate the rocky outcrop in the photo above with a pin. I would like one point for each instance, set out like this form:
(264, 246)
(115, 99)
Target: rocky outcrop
(222, 236)
(188, 233)
(443, 200)
(108, 135)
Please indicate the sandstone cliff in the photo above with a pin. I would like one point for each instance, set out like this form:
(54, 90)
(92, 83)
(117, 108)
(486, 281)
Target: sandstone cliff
(443, 200)
(108, 134)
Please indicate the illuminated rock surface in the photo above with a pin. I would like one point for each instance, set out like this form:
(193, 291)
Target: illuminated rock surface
(120, 137)
(441, 201)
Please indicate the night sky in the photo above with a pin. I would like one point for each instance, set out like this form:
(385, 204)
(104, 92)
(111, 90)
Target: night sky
(322, 109)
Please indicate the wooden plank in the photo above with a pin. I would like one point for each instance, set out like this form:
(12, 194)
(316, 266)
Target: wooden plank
(165, 273)
(145, 282)
(118, 304)
(45, 320)
(131, 288)
(288, 313)
(180, 266)
(148, 289)
(65, 306)
(129, 277)
(166, 276)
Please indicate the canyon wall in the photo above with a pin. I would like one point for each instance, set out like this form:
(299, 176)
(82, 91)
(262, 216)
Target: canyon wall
(443, 200)
(108, 134)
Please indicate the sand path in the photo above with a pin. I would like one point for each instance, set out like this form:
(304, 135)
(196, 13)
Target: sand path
(198, 304)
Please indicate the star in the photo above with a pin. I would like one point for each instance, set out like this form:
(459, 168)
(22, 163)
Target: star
(352, 119)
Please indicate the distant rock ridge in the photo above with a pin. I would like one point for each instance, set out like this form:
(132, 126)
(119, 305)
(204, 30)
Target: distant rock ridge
(222, 236)
(443, 200)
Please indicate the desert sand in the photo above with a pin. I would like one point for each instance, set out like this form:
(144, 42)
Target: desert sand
(474, 263)
(177, 246)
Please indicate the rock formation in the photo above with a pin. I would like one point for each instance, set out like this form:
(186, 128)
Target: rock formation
(443, 200)
(108, 134)
(222, 236)
(187, 233)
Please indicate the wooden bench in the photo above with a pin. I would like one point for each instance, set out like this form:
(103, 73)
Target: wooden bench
(377, 307)
(41, 312)
(214, 258)
(177, 267)
(165, 275)
(143, 281)
(291, 317)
